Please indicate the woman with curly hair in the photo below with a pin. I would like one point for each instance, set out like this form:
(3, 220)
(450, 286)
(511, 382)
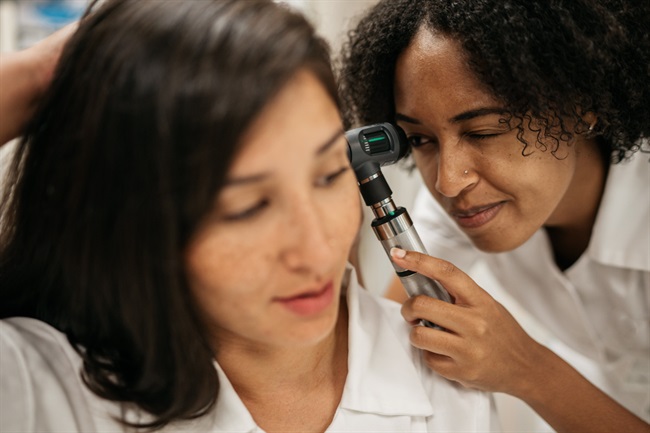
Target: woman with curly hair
(529, 123)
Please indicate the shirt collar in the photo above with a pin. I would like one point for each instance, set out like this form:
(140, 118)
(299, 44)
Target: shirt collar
(382, 375)
(621, 235)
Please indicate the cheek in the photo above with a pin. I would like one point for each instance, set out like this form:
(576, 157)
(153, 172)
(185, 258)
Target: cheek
(427, 165)
(214, 260)
(348, 219)
(544, 173)
(537, 185)
(220, 273)
(554, 186)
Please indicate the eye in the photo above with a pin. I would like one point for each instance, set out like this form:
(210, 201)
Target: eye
(329, 179)
(417, 141)
(479, 136)
(247, 213)
(487, 132)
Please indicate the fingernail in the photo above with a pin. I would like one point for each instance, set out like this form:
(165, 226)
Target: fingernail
(398, 253)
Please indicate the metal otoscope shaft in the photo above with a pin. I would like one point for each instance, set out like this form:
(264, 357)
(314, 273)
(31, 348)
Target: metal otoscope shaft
(394, 228)
(371, 147)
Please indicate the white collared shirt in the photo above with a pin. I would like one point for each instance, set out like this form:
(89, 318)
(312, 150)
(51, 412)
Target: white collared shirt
(388, 387)
(598, 309)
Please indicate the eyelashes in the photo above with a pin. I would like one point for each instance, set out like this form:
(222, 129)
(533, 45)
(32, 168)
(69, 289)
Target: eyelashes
(332, 177)
(247, 213)
(257, 208)
(475, 136)
(416, 141)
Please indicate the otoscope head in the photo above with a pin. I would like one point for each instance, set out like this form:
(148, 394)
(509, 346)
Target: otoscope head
(370, 148)
(374, 146)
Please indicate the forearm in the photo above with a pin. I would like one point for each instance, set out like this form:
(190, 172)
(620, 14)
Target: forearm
(570, 403)
(19, 91)
(24, 77)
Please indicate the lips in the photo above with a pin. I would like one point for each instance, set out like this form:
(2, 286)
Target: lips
(477, 216)
(309, 302)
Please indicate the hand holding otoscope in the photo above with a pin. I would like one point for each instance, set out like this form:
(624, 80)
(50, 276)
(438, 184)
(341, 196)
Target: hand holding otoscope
(370, 148)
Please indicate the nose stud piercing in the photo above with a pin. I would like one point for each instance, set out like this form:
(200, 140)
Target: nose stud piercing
(466, 171)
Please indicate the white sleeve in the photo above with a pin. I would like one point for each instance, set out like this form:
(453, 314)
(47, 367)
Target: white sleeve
(16, 396)
(439, 233)
(41, 389)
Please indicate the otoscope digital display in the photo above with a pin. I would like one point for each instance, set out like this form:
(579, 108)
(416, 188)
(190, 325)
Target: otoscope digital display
(375, 142)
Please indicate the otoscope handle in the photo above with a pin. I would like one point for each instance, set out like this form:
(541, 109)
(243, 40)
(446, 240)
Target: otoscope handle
(397, 230)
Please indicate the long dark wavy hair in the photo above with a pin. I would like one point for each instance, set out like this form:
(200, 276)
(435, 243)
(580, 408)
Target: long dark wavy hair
(549, 60)
(123, 160)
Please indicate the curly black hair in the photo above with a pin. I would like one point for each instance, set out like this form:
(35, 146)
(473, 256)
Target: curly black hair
(549, 60)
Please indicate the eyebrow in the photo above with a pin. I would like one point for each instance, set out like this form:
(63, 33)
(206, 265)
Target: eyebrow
(259, 177)
(405, 118)
(466, 115)
(471, 114)
(330, 142)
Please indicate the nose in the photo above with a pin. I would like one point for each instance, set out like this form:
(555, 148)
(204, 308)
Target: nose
(309, 241)
(456, 171)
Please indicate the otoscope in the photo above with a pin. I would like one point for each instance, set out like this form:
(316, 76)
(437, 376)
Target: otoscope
(370, 148)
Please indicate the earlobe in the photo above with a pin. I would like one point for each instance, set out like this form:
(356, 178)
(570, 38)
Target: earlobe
(591, 119)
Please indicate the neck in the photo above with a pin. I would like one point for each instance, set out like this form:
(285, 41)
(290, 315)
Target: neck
(571, 231)
(282, 386)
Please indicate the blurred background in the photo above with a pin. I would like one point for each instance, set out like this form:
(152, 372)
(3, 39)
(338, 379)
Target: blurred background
(24, 22)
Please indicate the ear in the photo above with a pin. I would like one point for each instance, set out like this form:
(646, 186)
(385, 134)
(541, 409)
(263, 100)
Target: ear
(591, 119)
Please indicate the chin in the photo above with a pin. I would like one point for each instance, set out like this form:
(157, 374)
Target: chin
(308, 339)
(499, 244)
(313, 331)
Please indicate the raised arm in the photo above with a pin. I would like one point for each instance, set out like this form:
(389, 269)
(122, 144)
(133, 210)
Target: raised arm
(24, 76)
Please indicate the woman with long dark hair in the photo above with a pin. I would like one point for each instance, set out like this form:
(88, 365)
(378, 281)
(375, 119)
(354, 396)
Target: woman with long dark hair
(175, 230)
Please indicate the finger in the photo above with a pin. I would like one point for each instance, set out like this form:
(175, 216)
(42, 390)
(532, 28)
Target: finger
(447, 368)
(441, 364)
(453, 318)
(456, 282)
(435, 341)
(442, 352)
